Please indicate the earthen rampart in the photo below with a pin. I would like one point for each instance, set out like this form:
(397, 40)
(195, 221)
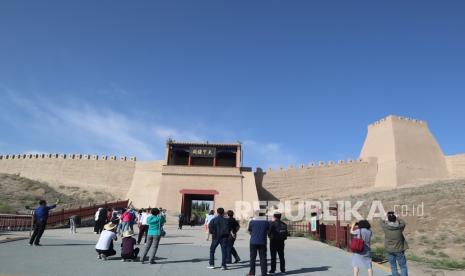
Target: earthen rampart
(94, 173)
(316, 181)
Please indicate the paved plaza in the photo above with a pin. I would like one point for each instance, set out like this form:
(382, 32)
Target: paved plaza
(181, 252)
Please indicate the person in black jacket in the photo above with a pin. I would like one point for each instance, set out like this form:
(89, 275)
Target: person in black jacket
(219, 229)
(233, 227)
(278, 234)
(102, 220)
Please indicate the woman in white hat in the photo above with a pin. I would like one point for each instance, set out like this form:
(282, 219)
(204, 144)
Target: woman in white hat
(104, 246)
(128, 252)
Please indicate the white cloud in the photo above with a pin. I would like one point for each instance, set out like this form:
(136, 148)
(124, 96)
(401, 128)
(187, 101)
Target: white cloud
(86, 128)
(167, 132)
(80, 127)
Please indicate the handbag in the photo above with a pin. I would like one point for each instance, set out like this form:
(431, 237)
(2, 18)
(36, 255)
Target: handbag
(357, 244)
(162, 231)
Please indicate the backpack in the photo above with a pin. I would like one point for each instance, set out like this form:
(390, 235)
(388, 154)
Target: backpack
(357, 245)
(281, 229)
(132, 216)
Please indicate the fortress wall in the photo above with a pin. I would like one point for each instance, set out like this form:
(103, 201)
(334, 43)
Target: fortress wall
(250, 193)
(456, 165)
(406, 152)
(146, 184)
(380, 144)
(418, 154)
(314, 182)
(176, 178)
(105, 174)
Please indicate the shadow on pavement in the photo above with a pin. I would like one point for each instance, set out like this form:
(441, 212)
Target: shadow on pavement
(177, 236)
(175, 243)
(67, 244)
(195, 260)
(307, 270)
(245, 264)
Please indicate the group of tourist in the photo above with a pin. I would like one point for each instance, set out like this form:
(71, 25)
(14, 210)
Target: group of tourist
(223, 229)
(394, 245)
(150, 223)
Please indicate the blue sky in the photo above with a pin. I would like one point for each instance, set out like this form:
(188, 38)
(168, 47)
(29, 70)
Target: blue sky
(295, 81)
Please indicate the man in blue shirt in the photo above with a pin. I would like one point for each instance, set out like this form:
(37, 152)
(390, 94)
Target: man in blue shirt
(258, 229)
(40, 221)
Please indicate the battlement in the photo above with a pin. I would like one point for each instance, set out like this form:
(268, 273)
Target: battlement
(320, 164)
(397, 118)
(65, 156)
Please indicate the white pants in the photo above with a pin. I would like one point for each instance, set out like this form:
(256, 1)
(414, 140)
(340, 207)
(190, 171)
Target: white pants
(72, 226)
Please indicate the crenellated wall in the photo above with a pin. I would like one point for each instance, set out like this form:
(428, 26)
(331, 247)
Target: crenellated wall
(456, 165)
(90, 172)
(316, 181)
(397, 151)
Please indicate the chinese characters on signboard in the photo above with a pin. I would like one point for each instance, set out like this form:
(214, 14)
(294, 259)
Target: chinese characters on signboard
(202, 152)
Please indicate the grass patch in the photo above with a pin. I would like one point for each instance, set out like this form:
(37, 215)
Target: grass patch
(415, 258)
(378, 254)
(438, 264)
(459, 240)
(443, 255)
(376, 239)
(448, 264)
(430, 252)
(6, 208)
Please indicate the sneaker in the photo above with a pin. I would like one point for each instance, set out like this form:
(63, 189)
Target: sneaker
(224, 268)
(99, 257)
(123, 260)
(37, 244)
(153, 262)
(104, 257)
(271, 272)
(211, 267)
(236, 261)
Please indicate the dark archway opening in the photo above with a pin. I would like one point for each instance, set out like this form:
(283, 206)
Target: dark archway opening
(195, 207)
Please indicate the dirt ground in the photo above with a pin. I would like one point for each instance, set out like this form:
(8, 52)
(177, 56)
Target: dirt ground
(18, 192)
(435, 216)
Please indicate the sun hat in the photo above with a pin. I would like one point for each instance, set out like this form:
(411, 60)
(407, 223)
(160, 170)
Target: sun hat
(128, 233)
(109, 226)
